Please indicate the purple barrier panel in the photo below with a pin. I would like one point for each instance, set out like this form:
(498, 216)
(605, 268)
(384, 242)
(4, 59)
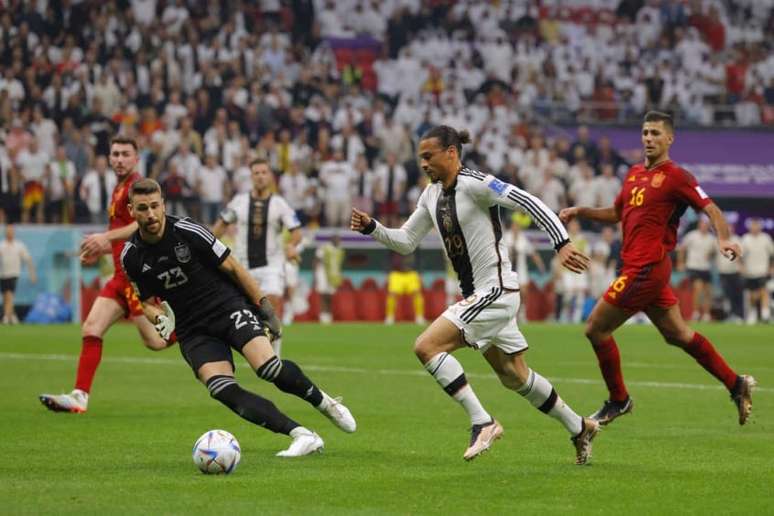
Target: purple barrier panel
(738, 163)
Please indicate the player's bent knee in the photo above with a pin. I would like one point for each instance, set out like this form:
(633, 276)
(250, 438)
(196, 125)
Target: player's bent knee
(92, 328)
(425, 348)
(591, 331)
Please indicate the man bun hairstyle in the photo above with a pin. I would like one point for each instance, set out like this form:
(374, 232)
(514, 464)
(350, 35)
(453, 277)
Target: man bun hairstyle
(144, 186)
(448, 136)
(123, 140)
(660, 116)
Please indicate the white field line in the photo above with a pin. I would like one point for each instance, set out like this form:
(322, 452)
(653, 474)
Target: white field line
(358, 370)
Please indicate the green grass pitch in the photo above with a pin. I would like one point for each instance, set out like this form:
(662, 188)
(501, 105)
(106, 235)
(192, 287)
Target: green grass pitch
(680, 451)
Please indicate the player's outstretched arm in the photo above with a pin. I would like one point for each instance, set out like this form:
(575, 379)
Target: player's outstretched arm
(98, 244)
(403, 240)
(359, 220)
(572, 259)
(730, 249)
(606, 215)
(492, 190)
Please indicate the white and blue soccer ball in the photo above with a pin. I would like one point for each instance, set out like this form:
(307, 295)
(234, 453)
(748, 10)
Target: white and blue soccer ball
(216, 452)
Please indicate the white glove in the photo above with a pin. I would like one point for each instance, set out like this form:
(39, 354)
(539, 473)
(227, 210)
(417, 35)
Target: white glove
(165, 323)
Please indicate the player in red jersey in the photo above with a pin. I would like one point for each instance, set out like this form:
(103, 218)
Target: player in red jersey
(654, 196)
(117, 298)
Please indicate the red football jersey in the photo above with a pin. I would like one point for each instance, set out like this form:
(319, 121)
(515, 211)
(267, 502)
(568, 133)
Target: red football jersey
(118, 213)
(651, 203)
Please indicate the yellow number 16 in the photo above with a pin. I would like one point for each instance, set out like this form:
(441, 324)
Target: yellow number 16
(638, 196)
(620, 283)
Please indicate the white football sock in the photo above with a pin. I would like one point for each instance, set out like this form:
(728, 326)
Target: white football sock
(541, 394)
(448, 372)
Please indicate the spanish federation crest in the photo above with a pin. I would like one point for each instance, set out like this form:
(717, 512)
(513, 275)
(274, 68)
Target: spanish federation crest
(182, 253)
(658, 180)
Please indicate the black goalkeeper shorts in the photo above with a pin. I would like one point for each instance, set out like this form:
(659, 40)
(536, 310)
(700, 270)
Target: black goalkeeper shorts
(212, 340)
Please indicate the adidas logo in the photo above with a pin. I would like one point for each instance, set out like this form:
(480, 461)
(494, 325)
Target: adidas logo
(145, 267)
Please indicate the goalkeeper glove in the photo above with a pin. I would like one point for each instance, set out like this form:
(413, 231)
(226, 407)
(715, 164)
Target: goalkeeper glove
(269, 318)
(165, 323)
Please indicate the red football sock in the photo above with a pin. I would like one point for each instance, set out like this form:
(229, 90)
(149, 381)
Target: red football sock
(705, 354)
(610, 366)
(91, 354)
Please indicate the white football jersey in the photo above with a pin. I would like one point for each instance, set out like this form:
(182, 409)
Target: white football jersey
(467, 216)
(259, 224)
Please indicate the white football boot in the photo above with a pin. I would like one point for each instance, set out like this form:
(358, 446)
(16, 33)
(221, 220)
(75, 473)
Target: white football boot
(333, 409)
(305, 442)
(76, 402)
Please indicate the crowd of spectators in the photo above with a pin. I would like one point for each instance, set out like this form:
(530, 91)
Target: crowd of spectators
(205, 87)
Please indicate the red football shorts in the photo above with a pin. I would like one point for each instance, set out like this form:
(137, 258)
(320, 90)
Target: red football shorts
(120, 290)
(641, 287)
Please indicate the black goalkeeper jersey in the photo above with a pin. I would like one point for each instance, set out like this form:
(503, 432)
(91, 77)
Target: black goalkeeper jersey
(182, 269)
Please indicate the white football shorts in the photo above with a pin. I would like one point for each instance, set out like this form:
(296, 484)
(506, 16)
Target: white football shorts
(291, 274)
(488, 318)
(271, 280)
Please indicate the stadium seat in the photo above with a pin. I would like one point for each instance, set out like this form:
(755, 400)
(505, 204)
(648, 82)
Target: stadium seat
(370, 301)
(313, 313)
(404, 308)
(344, 303)
(435, 299)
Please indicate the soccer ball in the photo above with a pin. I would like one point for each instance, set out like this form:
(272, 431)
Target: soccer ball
(217, 451)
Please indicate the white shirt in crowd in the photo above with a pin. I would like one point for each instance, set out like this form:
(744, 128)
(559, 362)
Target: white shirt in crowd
(212, 183)
(606, 190)
(381, 184)
(337, 176)
(33, 164)
(699, 250)
(60, 173)
(757, 251)
(91, 192)
(11, 255)
(293, 188)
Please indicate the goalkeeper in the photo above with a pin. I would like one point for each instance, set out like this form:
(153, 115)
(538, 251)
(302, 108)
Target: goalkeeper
(214, 306)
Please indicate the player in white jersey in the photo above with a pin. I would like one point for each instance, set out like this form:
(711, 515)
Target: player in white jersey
(758, 251)
(260, 216)
(695, 255)
(463, 205)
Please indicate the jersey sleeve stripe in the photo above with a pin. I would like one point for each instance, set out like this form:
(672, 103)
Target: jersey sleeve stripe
(540, 217)
(473, 173)
(127, 246)
(197, 229)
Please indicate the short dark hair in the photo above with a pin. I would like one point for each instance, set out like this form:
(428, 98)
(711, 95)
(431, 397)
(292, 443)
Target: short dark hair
(660, 116)
(448, 136)
(122, 140)
(144, 186)
(260, 161)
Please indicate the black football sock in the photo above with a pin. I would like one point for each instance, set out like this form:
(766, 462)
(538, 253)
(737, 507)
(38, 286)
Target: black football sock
(249, 406)
(288, 377)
